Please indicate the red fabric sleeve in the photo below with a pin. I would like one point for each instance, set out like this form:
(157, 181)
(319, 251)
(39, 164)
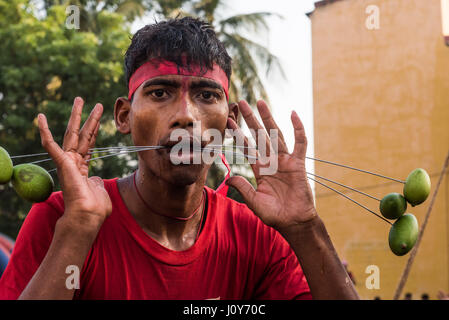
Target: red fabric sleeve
(283, 278)
(31, 246)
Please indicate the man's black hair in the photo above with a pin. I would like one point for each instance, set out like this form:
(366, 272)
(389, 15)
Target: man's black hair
(174, 39)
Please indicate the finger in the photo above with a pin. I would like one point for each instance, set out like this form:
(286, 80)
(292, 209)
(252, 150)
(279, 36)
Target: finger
(300, 137)
(87, 133)
(71, 135)
(87, 156)
(94, 138)
(270, 124)
(241, 141)
(258, 132)
(245, 146)
(49, 144)
(244, 188)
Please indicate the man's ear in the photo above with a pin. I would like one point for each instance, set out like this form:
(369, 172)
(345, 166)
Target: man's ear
(233, 111)
(122, 109)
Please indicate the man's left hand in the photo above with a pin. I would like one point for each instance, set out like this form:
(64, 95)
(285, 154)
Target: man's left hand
(283, 198)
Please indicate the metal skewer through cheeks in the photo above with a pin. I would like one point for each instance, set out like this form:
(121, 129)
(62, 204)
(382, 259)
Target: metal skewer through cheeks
(117, 150)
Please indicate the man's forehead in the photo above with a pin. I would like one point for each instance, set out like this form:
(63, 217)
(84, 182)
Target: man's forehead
(148, 72)
(180, 80)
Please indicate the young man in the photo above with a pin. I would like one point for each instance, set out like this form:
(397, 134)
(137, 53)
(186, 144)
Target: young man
(160, 233)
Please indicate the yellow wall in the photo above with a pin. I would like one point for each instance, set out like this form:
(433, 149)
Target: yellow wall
(381, 103)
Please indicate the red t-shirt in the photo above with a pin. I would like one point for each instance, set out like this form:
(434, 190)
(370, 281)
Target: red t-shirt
(236, 256)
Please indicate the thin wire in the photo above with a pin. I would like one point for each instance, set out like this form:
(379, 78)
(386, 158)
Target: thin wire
(30, 155)
(228, 151)
(140, 148)
(39, 161)
(340, 165)
(342, 185)
(91, 149)
(128, 151)
(125, 148)
(115, 153)
(94, 150)
(106, 156)
(121, 152)
(324, 185)
(348, 167)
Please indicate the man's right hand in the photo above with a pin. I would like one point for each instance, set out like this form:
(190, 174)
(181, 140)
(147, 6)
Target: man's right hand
(87, 203)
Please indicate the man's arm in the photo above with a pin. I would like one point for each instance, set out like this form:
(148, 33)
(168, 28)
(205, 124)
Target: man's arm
(86, 201)
(69, 247)
(284, 201)
(325, 274)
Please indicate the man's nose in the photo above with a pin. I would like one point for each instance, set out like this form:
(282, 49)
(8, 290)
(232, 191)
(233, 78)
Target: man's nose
(184, 114)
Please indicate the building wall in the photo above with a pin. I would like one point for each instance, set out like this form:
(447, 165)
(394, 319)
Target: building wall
(381, 103)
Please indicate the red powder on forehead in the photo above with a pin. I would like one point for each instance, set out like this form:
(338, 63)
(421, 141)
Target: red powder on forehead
(151, 70)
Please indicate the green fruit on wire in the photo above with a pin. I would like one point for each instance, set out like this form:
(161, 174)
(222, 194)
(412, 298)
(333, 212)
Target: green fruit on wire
(417, 187)
(403, 234)
(393, 205)
(6, 166)
(31, 182)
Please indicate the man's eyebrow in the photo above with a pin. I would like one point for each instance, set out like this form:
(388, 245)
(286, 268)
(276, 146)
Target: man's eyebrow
(205, 84)
(162, 82)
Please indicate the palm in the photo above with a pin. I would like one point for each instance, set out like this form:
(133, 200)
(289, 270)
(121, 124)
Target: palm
(81, 193)
(283, 197)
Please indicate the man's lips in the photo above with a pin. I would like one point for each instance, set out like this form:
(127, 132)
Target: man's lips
(192, 143)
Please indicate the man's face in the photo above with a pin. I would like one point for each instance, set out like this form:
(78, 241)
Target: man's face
(166, 103)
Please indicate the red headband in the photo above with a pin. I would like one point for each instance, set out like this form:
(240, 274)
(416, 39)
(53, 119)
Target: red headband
(153, 69)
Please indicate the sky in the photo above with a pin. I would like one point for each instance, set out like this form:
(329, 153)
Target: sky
(290, 40)
(445, 12)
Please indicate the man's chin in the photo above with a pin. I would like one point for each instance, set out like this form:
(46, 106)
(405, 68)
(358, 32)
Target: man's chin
(184, 175)
(178, 173)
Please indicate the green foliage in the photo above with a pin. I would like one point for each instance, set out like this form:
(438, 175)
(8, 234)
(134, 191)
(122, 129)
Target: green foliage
(90, 9)
(43, 66)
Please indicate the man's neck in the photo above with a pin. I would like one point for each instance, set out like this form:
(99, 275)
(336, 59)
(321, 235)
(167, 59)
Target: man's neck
(160, 205)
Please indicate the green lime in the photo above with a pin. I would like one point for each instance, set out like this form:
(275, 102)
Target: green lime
(393, 205)
(32, 183)
(5, 166)
(417, 187)
(403, 234)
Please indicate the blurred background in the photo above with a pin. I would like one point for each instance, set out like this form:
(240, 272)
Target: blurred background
(369, 79)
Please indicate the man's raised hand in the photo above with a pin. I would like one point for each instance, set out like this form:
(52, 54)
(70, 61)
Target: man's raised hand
(86, 201)
(284, 198)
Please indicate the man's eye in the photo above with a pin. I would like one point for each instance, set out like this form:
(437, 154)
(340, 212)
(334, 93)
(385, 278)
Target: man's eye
(208, 95)
(158, 93)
